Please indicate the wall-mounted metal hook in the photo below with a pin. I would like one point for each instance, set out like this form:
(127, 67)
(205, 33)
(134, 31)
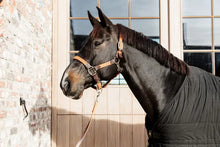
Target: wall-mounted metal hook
(23, 103)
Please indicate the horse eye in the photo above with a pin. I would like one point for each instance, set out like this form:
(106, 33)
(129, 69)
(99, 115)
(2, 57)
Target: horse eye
(107, 39)
(97, 43)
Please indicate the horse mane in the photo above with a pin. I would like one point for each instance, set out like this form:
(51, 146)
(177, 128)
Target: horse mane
(152, 49)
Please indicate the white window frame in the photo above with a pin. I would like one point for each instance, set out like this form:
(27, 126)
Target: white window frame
(60, 56)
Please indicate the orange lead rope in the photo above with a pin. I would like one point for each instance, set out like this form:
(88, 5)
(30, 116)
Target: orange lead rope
(90, 121)
(93, 72)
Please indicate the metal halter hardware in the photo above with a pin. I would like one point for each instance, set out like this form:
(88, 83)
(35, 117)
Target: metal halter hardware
(92, 71)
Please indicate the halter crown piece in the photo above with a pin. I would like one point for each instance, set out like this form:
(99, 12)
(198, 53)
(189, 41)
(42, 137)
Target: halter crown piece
(92, 70)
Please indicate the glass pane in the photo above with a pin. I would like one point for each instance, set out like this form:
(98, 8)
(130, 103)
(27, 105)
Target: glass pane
(201, 60)
(119, 80)
(115, 8)
(149, 27)
(145, 8)
(217, 64)
(79, 8)
(120, 21)
(79, 31)
(216, 7)
(81, 27)
(157, 39)
(78, 41)
(217, 32)
(197, 33)
(196, 7)
(72, 47)
(71, 57)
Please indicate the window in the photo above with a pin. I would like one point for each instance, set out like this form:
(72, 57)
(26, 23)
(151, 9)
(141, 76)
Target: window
(140, 15)
(201, 34)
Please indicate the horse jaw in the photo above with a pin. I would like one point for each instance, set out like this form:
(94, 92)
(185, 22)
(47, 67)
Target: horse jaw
(78, 96)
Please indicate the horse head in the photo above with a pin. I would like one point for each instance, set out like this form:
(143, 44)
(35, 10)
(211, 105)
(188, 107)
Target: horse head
(100, 47)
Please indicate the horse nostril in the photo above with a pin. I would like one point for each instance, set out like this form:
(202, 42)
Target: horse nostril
(66, 85)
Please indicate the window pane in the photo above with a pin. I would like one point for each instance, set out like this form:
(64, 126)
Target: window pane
(71, 57)
(197, 33)
(145, 8)
(201, 60)
(115, 8)
(119, 80)
(196, 7)
(217, 64)
(79, 8)
(81, 27)
(216, 7)
(77, 42)
(149, 27)
(79, 32)
(217, 32)
(120, 21)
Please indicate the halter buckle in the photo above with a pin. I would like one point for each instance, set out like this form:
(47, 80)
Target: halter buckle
(117, 61)
(92, 70)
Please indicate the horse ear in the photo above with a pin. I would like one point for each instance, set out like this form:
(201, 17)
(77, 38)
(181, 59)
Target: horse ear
(105, 22)
(93, 20)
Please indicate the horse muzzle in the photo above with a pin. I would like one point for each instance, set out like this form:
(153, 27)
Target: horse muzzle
(72, 85)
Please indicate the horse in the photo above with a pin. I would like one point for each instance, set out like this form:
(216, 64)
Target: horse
(182, 102)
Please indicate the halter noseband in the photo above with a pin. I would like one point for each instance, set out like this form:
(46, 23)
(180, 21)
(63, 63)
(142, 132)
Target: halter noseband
(92, 70)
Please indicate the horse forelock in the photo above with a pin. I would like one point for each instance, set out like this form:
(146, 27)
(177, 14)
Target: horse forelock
(94, 32)
(153, 49)
(97, 32)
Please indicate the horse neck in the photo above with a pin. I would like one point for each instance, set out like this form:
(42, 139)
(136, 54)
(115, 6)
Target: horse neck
(152, 84)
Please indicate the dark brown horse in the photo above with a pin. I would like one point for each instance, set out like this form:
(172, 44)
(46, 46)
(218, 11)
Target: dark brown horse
(181, 102)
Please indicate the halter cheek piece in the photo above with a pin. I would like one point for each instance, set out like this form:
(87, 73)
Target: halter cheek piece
(92, 70)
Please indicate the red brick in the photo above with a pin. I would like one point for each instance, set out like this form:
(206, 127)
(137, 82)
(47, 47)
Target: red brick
(25, 79)
(1, 21)
(13, 2)
(9, 85)
(3, 3)
(14, 94)
(1, 34)
(2, 84)
(3, 114)
(18, 78)
(12, 5)
(11, 104)
(31, 4)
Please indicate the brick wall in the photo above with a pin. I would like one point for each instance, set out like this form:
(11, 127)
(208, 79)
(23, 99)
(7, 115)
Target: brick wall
(25, 71)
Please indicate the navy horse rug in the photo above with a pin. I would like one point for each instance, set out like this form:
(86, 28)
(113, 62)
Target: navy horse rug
(192, 117)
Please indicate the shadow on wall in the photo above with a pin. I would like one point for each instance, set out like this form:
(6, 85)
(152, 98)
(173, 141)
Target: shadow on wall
(39, 119)
(103, 132)
(40, 114)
